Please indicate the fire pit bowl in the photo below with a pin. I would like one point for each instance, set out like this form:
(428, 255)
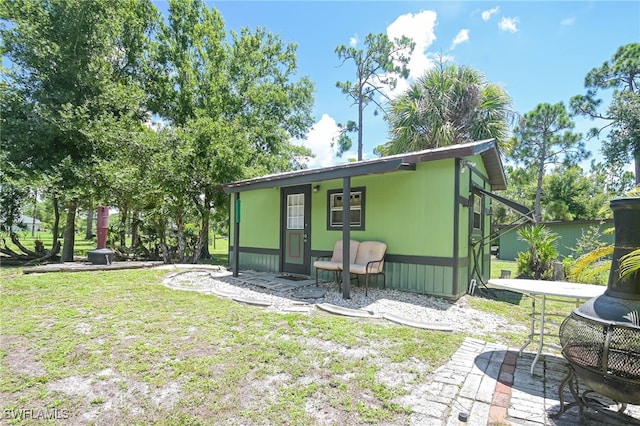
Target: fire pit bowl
(601, 338)
(605, 355)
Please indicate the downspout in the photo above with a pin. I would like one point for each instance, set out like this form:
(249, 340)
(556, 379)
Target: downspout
(346, 237)
(456, 226)
(236, 236)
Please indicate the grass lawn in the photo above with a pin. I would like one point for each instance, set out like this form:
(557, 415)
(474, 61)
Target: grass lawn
(119, 348)
(498, 265)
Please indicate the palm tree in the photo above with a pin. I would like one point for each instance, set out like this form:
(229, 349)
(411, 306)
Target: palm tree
(448, 105)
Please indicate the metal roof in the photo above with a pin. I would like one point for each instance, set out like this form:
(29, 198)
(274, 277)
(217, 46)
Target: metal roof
(488, 149)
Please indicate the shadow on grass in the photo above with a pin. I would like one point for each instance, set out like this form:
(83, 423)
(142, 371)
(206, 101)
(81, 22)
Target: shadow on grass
(216, 259)
(508, 296)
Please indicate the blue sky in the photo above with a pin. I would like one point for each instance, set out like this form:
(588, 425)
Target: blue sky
(539, 51)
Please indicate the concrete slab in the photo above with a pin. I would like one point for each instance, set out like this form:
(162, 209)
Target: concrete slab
(339, 310)
(87, 267)
(417, 324)
(250, 301)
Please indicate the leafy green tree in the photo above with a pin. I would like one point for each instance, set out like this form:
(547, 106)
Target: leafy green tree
(378, 66)
(521, 189)
(543, 138)
(13, 192)
(612, 178)
(448, 105)
(622, 74)
(568, 194)
(232, 103)
(75, 85)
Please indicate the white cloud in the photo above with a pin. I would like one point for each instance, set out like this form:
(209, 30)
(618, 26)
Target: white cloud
(461, 37)
(567, 22)
(509, 24)
(421, 28)
(319, 139)
(353, 41)
(486, 15)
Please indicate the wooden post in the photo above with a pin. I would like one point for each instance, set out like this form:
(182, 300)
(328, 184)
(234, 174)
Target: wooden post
(346, 237)
(236, 236)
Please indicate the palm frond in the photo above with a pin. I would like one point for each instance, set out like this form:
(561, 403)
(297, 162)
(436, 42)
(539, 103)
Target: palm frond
(634, 193)
(594, 272)
(589, 259)
(629, 263)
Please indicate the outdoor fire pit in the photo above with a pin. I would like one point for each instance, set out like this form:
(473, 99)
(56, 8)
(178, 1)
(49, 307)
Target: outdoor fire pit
(601, 339)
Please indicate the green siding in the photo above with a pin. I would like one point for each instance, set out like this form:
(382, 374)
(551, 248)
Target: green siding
(569, 232)
(261, 230)
(410, 211)
(476, 175)
(422, 279)
(393, 201)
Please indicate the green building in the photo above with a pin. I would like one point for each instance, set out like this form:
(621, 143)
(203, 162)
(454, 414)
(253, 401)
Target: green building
(568, 232)
(432, 208)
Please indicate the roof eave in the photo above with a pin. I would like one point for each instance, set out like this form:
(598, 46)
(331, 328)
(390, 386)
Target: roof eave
(306, 176)
(486, 148)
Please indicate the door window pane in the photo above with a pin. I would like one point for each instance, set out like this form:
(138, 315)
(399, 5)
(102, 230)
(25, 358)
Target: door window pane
(295, 211)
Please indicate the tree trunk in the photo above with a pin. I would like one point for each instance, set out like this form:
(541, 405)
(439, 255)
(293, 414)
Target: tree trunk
(181, 241)
(50, 255)
(135, 225)
(537, 208)
(202, 247)
(89, 233)
(637, 161)
(360, 108)
(35, 212)
(56, 220)
(161, 231)
(69, 232)
(124, 212)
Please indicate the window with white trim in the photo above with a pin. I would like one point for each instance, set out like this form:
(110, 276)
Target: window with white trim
(357, 209)
(477, 212)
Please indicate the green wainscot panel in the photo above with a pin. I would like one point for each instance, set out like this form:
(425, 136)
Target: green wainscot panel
(257, 262)
(413, 278)
(422, 279)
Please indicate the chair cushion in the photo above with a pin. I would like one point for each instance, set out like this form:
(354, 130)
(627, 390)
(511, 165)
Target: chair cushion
(369, 251)
(374, 268)
(357, 269)
(327, 265)
(337, 251)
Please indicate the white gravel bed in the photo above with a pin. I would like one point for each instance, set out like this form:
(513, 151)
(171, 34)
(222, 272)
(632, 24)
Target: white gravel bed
(459, 315)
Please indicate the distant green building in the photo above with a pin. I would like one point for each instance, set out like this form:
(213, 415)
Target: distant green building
(432, 208)
(569, 232)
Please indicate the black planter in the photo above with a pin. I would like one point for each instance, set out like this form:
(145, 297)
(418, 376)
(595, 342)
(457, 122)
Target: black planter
(100, 256)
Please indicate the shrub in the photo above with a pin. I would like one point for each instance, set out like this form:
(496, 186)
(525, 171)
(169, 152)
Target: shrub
(537, 262)
(593, 259)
